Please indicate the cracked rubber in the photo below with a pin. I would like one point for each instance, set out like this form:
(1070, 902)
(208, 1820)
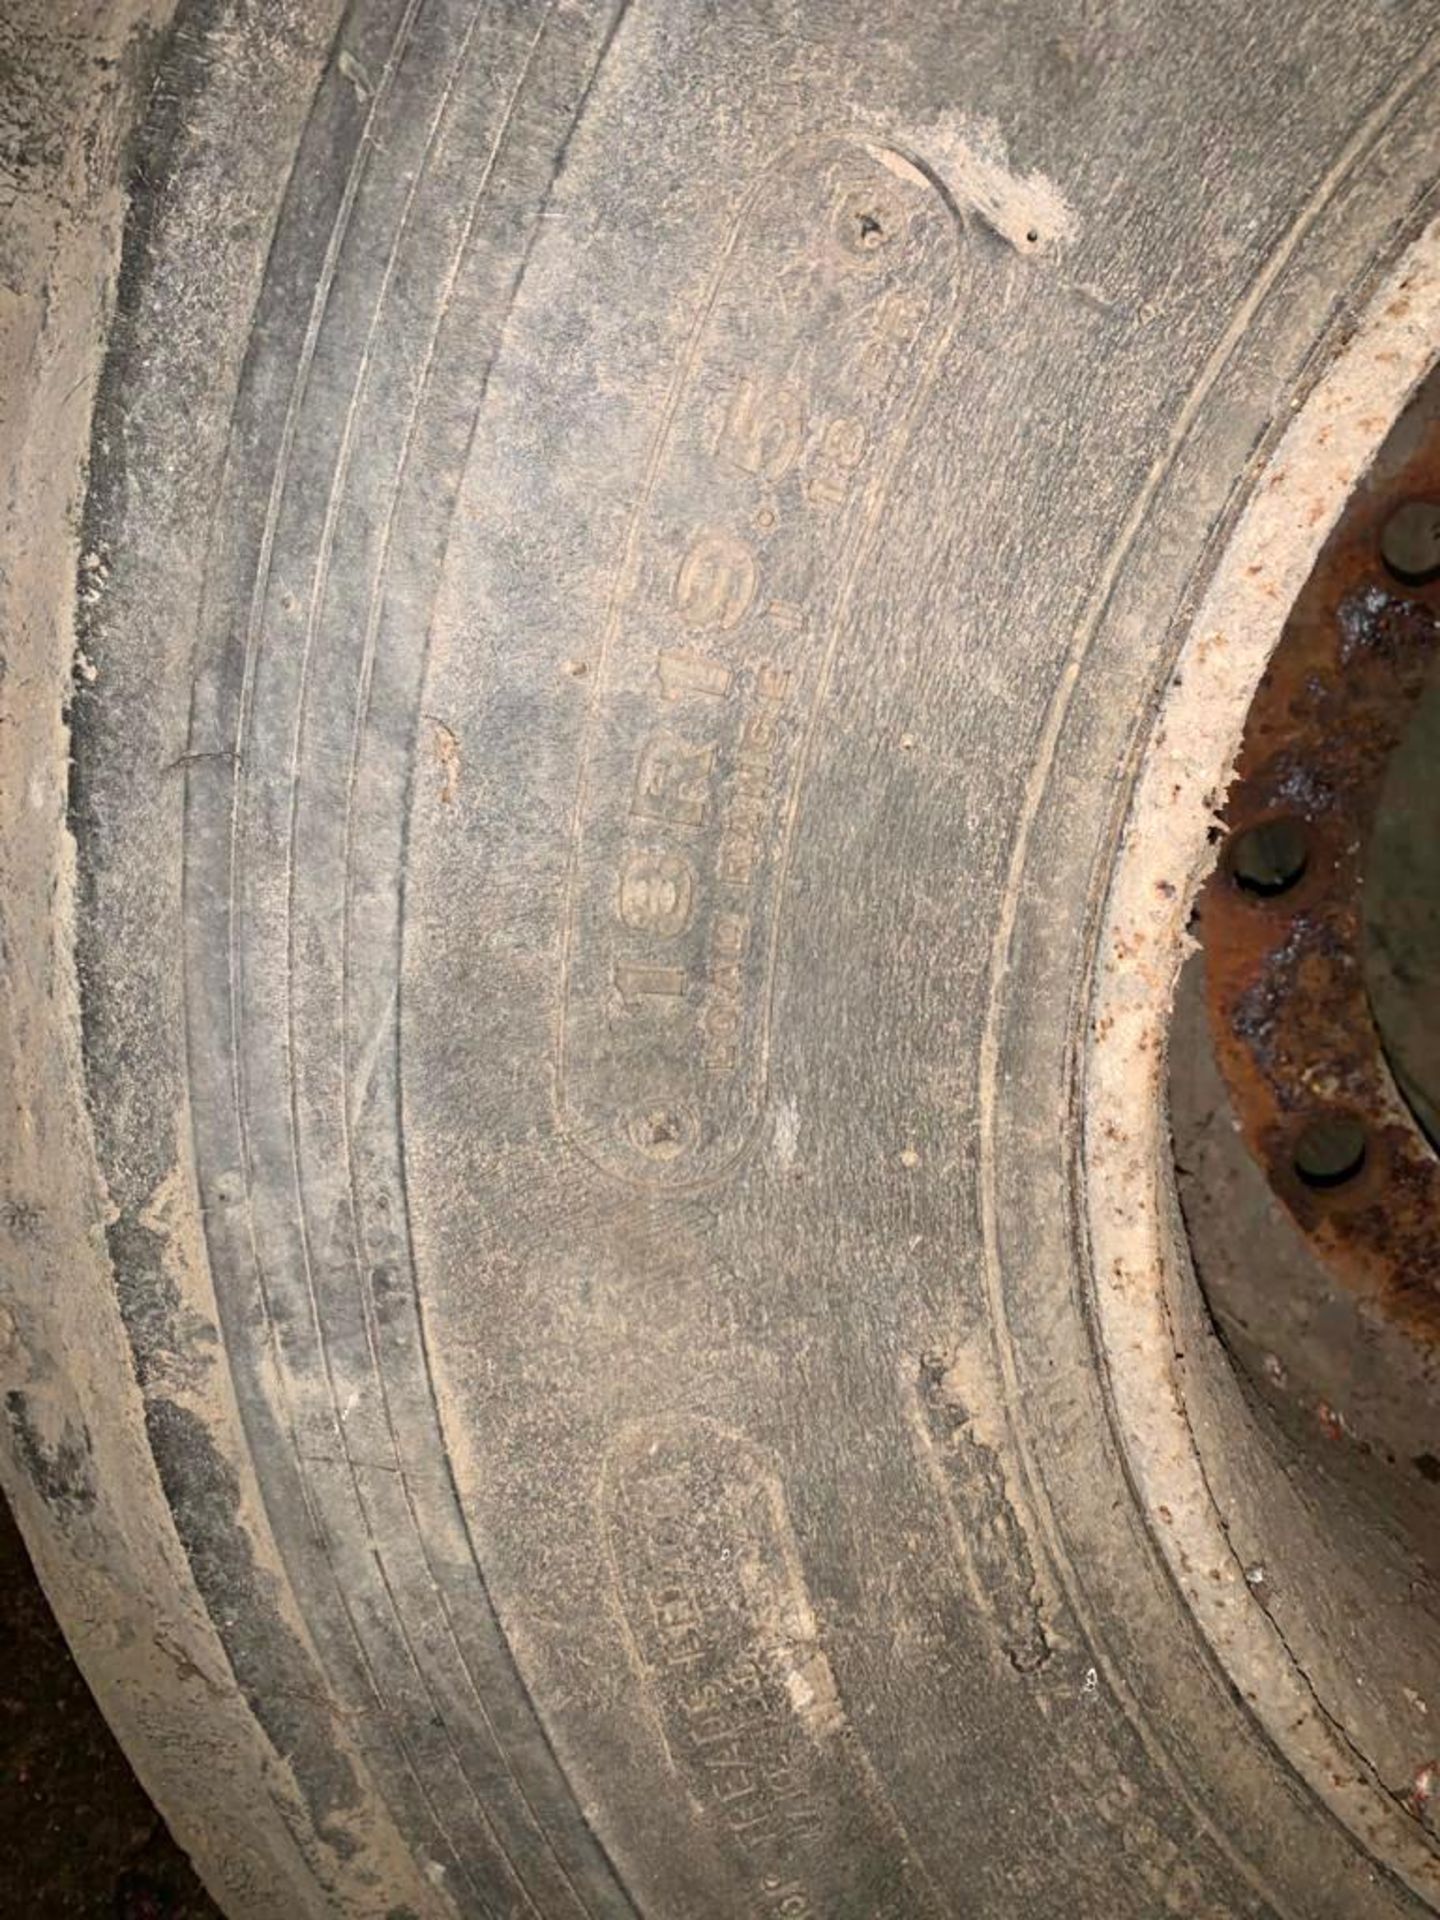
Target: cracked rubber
(545, 1345)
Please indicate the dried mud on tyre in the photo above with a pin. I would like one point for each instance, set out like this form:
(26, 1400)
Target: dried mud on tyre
(593, 587)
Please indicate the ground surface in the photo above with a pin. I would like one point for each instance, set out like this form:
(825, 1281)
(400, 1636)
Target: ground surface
(81, 1838)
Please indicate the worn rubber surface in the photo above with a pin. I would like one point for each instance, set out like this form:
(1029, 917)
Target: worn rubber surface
(593, 522)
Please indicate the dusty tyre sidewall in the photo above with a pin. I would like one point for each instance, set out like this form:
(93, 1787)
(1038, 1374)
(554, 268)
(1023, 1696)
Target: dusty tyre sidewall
(916, 1230)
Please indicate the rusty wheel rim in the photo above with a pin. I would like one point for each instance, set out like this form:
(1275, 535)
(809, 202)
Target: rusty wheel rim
(1281, 918)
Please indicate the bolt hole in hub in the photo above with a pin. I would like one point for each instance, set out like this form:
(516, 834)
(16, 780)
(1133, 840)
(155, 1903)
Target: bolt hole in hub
(1305, 1103)
(1410, 542)
(1270, 858)
(1330, 1152)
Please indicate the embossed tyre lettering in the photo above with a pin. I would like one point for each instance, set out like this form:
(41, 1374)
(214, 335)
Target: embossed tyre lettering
(624, 630)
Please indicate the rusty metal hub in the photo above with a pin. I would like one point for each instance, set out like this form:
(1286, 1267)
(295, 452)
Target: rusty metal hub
(1282, 919)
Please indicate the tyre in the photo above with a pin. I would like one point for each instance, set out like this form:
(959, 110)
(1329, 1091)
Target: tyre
(623, 628)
